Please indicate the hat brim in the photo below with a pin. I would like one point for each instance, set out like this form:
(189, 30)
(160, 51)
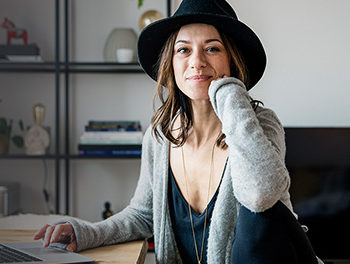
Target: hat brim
(153, 37)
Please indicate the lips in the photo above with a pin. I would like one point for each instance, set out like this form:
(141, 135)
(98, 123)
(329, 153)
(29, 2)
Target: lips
(199, 77)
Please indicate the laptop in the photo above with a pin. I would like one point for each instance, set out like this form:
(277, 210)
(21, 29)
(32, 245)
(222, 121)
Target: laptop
(34, 252)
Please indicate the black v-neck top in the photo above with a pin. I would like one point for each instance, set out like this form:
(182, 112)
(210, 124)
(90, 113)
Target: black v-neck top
(181, 222)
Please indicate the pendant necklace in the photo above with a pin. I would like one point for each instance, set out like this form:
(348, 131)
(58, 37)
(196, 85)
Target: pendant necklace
(199, 256)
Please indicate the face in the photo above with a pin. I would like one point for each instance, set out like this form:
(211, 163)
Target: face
(199, 58)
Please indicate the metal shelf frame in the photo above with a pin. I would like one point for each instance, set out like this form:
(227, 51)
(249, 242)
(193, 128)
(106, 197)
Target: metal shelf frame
(66, 68)
(70, 67)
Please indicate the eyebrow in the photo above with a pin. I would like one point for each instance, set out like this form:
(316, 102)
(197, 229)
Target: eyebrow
(207, 41)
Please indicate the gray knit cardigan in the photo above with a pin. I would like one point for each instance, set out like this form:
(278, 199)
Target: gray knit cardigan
(255, 176)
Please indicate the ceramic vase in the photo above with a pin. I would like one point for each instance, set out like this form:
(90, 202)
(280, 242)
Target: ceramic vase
(120, 38)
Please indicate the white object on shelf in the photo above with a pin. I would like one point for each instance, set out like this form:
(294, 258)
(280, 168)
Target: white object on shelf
(37, 138)
(120, 38)
(24, 58)
(124, 55)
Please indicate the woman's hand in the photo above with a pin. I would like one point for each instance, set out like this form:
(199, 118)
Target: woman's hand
(61, 233)
(218, 78)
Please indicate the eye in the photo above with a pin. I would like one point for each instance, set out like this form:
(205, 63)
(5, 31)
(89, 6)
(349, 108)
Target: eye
(213, 49)
(183, 50)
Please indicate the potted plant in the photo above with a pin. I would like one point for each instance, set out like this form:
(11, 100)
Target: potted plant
(5, 135)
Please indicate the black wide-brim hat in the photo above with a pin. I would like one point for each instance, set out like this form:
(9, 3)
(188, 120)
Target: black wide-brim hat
(213, 12)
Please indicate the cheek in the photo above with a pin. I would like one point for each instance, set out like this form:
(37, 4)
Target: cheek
(220, 66)
(224, 67)
(178, 71)
(177, 77)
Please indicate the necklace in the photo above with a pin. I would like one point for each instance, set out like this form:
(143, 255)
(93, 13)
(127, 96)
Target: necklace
(199, 257)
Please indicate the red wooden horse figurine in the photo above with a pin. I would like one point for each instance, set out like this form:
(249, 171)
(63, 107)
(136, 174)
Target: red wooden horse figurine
(13, 32)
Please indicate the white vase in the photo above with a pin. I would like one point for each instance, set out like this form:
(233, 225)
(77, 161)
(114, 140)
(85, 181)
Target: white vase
(120, 38)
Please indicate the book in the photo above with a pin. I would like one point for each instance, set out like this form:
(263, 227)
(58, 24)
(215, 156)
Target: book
(111, 152)
(19, 49)
(94, 125)
(116, 122)
(24, 58)
(109, 128)
(110, 142)
(109, 146)
(112, 135)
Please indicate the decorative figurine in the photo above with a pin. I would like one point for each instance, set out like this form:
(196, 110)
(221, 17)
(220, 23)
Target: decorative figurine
(107, 212)
(13, 32)
(37, 139)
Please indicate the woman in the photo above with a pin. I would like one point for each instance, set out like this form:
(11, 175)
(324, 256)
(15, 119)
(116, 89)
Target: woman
(213, 186)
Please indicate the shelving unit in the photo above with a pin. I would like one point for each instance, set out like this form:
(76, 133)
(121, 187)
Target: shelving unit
(66, 68)
(71, 67)
(72, 156)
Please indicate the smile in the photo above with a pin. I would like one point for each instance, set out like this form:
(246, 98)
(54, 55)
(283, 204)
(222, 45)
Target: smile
(199, 78)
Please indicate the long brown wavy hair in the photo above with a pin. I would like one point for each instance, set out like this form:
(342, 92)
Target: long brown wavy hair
(174, 102)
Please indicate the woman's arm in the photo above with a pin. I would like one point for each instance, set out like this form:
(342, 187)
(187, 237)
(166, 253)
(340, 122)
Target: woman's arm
(256, 146)
(134, 222)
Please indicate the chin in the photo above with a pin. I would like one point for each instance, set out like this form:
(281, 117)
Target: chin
(198, 91)
(199, 97)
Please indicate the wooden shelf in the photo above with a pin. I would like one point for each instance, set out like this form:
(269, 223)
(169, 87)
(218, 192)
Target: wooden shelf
(72, 156)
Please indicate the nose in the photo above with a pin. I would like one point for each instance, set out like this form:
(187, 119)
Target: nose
(197, 60)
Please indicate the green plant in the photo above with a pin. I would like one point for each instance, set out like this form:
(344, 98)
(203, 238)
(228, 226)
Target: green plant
(140, 3)
(5, 131)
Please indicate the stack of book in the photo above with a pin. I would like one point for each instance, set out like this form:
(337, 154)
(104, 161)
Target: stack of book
(111, 138)
(20, 53)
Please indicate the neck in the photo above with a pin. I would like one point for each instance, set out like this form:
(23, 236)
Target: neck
(206, 125)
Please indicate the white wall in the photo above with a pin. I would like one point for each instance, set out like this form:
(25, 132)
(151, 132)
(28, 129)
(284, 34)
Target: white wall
(307, 44)
(306, 83)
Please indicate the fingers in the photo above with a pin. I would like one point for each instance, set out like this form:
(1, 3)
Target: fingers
(48, 234)
(219, 77)
(57, 234)
(41, 232)
(72, 246)
(62, 233)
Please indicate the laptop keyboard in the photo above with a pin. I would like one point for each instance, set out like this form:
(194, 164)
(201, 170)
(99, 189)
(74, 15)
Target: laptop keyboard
(12, 255)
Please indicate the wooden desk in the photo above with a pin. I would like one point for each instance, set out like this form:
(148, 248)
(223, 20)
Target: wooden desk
(131, 252)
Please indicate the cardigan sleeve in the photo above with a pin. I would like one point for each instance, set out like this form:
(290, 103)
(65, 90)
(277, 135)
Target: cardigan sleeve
(134, 222)
(256, 146)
